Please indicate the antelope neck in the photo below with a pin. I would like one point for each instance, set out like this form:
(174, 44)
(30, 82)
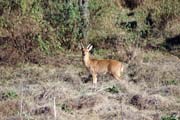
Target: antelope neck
(87, 60)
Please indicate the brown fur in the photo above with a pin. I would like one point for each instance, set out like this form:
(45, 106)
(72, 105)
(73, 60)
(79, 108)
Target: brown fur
(96, 66)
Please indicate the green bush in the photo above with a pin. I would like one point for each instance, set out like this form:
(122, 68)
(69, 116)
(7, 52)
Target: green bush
(112, 89)
(171, 82)
(10, 4)
(43, 44)
(170, 118)
(64, 17)
(3, 22)
(10, 95)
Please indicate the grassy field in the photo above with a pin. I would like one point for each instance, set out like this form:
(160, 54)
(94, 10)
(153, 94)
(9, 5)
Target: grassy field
(149, 90)
(42, 76)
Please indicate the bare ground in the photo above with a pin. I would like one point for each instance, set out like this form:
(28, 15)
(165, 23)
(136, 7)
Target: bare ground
(150, 89)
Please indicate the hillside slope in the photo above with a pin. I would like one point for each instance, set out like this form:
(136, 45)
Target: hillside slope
(41, 71)
(150, 92)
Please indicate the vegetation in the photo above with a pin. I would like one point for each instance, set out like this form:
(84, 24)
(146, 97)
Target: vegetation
(170, 118)
(40, 59)
(9, 95)
(65, 108)
(113, 89)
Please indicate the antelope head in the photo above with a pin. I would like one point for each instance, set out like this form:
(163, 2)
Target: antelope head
(86, 51)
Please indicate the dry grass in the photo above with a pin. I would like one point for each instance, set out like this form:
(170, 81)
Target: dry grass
(143, 96)
(150, 87)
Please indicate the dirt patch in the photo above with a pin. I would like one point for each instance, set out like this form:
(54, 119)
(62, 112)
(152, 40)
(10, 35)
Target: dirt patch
(11, 108)
(131, 4)
(173, 45)
(81, 102)
(150, 102)
(42, 110)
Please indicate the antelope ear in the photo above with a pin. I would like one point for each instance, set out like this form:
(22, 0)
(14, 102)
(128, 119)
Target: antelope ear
(90, 48)
(81, 46)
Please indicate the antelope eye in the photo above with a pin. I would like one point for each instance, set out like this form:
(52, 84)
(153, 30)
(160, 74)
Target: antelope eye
(83, 53)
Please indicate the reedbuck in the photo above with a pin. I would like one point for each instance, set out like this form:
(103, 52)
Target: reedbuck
(96, 66)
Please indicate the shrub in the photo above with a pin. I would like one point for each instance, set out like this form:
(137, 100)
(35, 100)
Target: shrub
(8, 95)
(64, 17)
(169, 118)
(112, 89)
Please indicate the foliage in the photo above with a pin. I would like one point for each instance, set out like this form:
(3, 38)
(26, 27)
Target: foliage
(36, 11)
(3, 22)
(10, 5)
(99, 8)
(23, 4)
(60, 22)
(169, 8)
(144, 25)
(136, 27)
(62, 16)
(65, 108)
(65, 18)
(169, 118)
(44, 45)
(101, 20)
(10, 94)
(171, 82)
(112, 89)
